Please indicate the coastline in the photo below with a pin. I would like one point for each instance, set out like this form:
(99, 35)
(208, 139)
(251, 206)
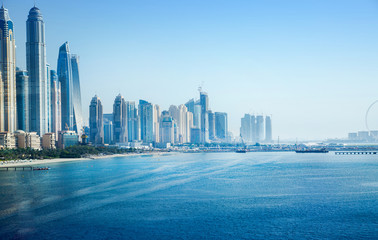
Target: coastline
(5, 164)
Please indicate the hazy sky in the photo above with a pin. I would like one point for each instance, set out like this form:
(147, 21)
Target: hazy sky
(312, 65)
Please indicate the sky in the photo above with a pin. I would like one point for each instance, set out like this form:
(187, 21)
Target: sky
(312, 65)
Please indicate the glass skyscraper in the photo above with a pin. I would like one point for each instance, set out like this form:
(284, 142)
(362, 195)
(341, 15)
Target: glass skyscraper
(132, 121)
(37, 69)
(8, 108)
(119, 120)
(96, 124)
(22, 89)
(221, 125)
(204, 101)
(146, 112)
(268, 129)
(55, 103)
(68, 75)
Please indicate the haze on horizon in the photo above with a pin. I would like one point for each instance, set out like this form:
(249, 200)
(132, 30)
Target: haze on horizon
(312, 65)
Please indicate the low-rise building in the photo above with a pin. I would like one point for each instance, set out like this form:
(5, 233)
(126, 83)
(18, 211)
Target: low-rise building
(48, 141)
(67, 138)
(7, 140)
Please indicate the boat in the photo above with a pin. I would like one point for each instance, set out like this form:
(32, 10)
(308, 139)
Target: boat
(40, 168)
(241, 151)
(322, 150)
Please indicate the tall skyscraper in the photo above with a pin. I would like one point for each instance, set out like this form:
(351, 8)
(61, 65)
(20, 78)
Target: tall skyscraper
(221, 125)
(22, 90)
(37, 70)
(68, 75)
(167, 129)
(211, 117)
(132, 121)
(56, 118)
(204, 101)
(8, 108)
(146, 117)
(268, 129)
(120, 120)
(254, 133)
(96, 124)
(245, 128)
(259, 128)
(156, 123)
(108, 128)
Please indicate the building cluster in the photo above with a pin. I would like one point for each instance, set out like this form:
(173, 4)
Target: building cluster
(256, 129)
(145, 123)
(363, 136)
(38, 106)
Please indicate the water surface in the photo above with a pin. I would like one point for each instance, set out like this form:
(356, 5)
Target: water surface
(195, 196)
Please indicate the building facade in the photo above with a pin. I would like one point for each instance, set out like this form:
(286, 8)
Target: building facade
(22, 91)
(120, 120)
(8, 108)
(221, 125)
(96, 125)
(68, 76)
(37, 69)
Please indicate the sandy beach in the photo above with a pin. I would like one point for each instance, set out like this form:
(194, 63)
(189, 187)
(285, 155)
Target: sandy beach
(45, 162)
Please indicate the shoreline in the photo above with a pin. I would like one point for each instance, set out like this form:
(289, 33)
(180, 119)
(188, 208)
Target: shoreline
(4, 164)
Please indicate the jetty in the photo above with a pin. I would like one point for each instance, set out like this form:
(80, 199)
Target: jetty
(356, 153)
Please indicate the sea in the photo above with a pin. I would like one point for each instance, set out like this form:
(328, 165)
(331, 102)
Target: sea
(255, 195)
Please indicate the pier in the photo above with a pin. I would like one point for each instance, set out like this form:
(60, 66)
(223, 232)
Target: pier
(356, 153)
(20, 168)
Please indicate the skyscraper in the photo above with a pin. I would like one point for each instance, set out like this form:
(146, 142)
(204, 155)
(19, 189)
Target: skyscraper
(22, 90)
(8, 108)
(56, 118)
(211, 117)
(268, 129)
(259, 128)
(221, 125)
(108, 128)
(68, 75)
(156, 123)
(76, 100)
(37, 69)
(96, 124)
(245, 128)
(146, 117)
(167, 129)
(204, 102)
(119, 120)
(132, 121)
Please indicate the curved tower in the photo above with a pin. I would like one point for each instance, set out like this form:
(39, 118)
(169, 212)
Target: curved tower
(8, 112)
(68, 75)
(37, 69)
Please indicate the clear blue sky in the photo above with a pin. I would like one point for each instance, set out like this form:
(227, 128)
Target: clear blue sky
(312, 64)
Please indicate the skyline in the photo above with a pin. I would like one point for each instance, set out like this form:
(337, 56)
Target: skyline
(169, 60)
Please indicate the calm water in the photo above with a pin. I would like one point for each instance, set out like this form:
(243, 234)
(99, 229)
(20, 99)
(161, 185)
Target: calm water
(195, 196)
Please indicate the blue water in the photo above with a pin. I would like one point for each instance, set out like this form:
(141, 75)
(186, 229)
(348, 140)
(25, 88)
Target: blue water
(195, 196)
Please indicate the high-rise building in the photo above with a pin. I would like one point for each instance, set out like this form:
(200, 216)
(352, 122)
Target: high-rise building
(156, 123)
(204, 102)
(76, 100)
(260, 128)
(8, 108)
(37, 70)
(96, 124)
(146, 118)
(268, 129)
(68, 75)
(48, 83)
(211, 117)
(108, 128)
(56, 118)
(22, 90)
(221, 125)
(254, 133)
(245, 128)
(132, 121)
(167, 128)
(120, 120)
